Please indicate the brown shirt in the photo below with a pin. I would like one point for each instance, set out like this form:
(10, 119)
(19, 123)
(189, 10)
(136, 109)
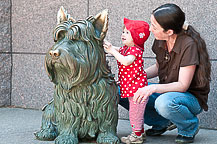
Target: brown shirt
(184, 53)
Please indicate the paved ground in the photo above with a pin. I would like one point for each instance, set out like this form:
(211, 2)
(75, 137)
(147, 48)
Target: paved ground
(18, 125)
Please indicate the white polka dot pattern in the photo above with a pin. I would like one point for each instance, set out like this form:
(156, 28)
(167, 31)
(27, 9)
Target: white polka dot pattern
(133, 76)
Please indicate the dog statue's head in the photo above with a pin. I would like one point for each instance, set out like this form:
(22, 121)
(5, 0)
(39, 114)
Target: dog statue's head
(77, 57)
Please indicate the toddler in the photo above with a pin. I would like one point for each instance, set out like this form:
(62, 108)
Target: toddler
(131, 74)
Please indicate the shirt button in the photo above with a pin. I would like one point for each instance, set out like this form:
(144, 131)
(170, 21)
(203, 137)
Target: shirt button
(165, 78)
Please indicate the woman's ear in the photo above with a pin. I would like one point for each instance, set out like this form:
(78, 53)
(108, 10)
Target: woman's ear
(170, 32)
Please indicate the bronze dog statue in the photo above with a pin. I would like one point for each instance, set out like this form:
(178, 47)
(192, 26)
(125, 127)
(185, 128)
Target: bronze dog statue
(85, 97)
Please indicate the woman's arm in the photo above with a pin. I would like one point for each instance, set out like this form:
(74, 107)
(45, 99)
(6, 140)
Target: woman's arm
(185, 77)
(152, 71)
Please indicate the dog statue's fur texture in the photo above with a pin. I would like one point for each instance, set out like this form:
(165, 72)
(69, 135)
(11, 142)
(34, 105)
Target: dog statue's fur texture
(85, 96)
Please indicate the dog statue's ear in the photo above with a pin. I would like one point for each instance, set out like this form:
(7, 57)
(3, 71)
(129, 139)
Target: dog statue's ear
(63, 16)
(100, 23)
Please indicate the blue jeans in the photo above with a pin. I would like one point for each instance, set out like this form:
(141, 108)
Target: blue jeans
(179, 108)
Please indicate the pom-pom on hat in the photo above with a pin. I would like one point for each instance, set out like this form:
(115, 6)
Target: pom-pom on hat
(139, 31)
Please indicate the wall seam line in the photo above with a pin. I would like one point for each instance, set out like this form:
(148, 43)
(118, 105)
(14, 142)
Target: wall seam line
(88, 7)
(11, 46)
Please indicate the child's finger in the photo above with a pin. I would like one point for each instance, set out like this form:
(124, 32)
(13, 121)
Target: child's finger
(105, 46)
(105, 42)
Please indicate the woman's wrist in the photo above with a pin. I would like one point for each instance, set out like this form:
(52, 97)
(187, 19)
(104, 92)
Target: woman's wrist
(154, 88)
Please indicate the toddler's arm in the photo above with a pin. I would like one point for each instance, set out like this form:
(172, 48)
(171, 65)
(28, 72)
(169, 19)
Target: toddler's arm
(108, 46)
(125, 60)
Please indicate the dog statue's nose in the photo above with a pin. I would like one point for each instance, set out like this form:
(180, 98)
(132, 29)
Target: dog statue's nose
(54, 53)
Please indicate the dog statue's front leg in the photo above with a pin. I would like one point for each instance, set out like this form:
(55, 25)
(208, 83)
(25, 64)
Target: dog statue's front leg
(107, 135)
(66, 139)
(107, 138)
(48, 130)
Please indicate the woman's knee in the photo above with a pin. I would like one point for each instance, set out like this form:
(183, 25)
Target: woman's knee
(163, 105)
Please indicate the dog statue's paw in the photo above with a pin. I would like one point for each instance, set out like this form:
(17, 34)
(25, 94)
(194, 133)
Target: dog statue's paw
(66, 139)
(46, 135)
(107, 138)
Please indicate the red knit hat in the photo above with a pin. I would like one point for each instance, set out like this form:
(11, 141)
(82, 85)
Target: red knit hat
(139, 31)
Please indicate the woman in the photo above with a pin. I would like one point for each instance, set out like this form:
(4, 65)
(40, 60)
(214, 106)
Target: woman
(183, 68)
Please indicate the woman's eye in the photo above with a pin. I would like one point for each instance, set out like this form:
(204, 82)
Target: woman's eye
(154, 28)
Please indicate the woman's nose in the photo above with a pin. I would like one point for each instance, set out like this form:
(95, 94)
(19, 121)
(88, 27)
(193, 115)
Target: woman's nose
(150, 28)
(54, 53)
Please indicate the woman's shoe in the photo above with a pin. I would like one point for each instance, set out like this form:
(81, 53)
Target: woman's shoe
(183, 139)
(153, 132)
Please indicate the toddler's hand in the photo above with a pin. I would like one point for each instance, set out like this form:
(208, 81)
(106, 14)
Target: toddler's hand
(107, 46)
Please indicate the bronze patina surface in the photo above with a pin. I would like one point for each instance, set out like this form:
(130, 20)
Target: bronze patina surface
(85, 99)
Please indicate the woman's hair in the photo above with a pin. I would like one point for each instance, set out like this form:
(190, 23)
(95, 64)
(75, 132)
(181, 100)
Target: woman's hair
(202, 75)
(170, 16)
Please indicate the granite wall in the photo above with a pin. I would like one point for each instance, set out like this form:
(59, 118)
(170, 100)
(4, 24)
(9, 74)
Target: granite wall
(5, 52)
(26, 35)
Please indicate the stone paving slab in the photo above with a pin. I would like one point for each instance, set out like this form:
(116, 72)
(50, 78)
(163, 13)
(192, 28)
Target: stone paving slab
(18, 125)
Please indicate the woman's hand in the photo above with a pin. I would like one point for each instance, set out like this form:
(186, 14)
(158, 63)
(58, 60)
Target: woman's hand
(142, 94)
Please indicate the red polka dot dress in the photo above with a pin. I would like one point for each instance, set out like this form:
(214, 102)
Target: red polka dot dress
(133, 76)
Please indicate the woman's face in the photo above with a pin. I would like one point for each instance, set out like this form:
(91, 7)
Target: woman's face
(157, 30)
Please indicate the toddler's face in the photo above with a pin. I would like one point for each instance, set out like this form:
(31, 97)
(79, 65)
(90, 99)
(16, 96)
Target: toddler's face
(127, 38)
